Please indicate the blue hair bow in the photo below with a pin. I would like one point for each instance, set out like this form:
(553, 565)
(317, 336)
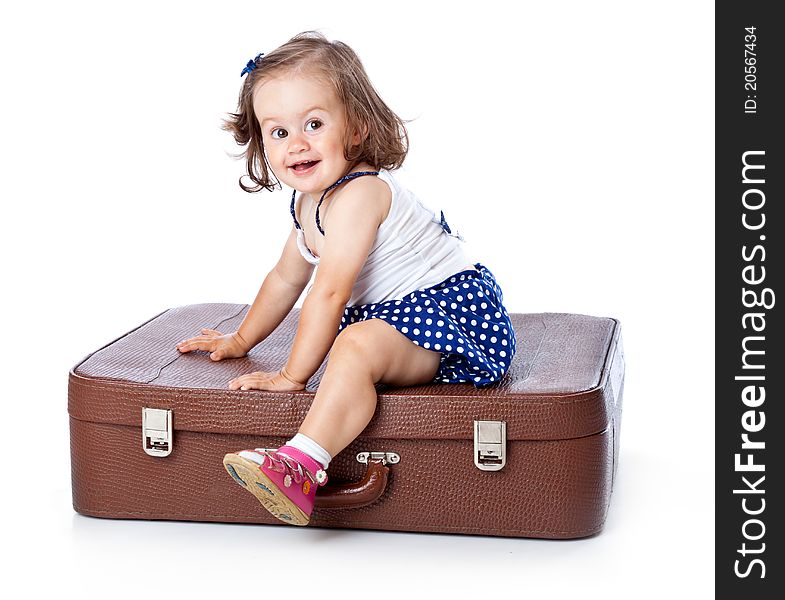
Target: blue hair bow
(251, 64)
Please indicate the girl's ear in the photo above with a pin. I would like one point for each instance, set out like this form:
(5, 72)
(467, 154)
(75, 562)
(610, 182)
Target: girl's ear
(358, 137)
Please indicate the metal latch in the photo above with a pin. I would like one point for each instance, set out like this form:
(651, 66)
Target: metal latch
(157, 431)
(490, 445)
(386, 457)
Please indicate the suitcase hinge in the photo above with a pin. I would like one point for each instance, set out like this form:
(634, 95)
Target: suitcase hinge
(490, 445)
(157, 431)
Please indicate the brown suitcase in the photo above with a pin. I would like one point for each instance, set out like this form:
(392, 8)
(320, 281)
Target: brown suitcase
(532, 456)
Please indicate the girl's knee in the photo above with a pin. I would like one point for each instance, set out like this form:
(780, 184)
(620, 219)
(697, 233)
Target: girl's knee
(388, 355)
(357, 339)
(364, 347)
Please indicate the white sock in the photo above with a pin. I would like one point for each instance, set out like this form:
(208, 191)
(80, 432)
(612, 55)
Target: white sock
(315, 451)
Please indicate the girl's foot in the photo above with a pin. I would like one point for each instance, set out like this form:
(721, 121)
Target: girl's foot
(283, 480)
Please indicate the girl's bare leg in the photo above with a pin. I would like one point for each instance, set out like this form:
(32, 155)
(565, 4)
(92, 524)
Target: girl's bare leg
(363, 354)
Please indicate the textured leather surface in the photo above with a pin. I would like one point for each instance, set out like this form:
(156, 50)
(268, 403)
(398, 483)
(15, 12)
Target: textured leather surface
(553, 390)
(561, 400)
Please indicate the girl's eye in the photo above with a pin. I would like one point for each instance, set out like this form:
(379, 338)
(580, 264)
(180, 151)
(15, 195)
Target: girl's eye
(313, 125)
(278, 133)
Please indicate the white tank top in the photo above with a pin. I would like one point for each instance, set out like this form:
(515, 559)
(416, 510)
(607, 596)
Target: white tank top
(412, 251)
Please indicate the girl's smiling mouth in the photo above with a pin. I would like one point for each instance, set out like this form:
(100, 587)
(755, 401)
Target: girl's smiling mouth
(304, 167)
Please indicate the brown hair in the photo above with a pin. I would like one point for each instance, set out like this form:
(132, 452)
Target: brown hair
(384, 139)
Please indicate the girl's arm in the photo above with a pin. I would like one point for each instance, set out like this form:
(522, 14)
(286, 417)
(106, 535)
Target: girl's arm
(354, 220)
(277, 295)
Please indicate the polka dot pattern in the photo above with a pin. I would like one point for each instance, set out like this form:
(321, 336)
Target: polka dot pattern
(463, 318)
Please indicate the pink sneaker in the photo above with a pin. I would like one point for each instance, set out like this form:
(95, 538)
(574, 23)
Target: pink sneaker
(283, 480)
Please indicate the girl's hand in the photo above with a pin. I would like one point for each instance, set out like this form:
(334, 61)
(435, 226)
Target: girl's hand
(260, 380)
(217, 344)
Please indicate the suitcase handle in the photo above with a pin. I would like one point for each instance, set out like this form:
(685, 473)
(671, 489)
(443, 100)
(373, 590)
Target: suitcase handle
(357, 493)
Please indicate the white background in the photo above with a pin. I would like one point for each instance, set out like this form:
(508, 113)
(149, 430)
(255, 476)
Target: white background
(571, 143)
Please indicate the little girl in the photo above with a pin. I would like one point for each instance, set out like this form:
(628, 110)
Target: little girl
(392, 280)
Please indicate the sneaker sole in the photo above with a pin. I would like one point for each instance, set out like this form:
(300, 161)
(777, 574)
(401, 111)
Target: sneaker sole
(247, 474)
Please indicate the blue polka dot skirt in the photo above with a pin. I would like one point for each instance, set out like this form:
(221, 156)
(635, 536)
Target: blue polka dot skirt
(462, 317)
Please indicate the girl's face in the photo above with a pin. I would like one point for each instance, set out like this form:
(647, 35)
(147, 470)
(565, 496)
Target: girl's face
(303, 129)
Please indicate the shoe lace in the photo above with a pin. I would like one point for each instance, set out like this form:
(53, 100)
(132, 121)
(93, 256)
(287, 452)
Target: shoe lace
(288, 466)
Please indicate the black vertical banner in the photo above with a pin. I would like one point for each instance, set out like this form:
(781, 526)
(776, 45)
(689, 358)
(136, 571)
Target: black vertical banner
(750, 224)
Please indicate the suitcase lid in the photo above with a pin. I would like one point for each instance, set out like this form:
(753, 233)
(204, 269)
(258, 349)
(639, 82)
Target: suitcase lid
(564, 382)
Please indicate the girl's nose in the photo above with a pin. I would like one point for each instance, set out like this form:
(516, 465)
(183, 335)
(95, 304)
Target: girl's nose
(297, 142)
